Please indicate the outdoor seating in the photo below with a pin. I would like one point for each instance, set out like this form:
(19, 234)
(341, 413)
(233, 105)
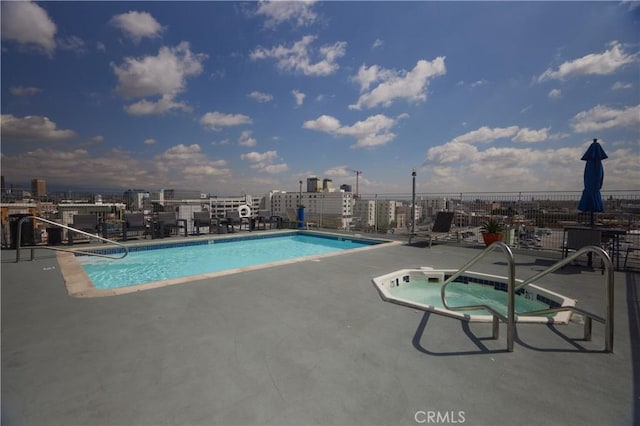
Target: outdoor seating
(441, 227)
(166, 223)
(577, 238)
(83, 222)
(292, 219)
(134, 222)
(202, 220)
(234, 218)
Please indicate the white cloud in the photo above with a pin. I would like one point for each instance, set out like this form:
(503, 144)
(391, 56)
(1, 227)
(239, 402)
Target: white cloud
(479, 83)
(377, 43)
(246, 139)
(256, 157)
(115, 168)
(29, 25)
(164, 104)
(486, 134)
(530, 136)
(72, 43)
(24, 91)
(298, 96)
(324, 123)
(150, 141)
(604, 63)
(338, 171)
(277, 12)
(298, 57)
(555, 94)
(620, 85)
(32, 128)
(164, 74)
(190, 161)
(602, 117)
(137, 25)
(264, 162)
(261, 97)
(373, 131)
(215, 120)
(411, 85)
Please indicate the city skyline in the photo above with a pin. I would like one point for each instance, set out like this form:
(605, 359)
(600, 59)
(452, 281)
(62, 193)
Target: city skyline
(231, 97)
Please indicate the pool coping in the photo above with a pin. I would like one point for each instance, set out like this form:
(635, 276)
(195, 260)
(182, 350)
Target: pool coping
(78, 283)
(561, 317)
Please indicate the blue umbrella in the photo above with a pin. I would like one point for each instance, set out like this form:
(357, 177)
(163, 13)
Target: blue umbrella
(591, 200)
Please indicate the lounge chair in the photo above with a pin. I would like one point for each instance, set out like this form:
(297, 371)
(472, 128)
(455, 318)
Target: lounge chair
(441, 227)
(83, 222)
(202, 220)
(134, 222)
(292, 218)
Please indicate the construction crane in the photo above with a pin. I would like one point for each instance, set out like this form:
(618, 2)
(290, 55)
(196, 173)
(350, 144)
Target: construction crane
(358, 173)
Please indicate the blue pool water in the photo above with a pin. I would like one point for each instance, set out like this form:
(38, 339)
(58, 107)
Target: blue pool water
(151, 265)
(465, 294)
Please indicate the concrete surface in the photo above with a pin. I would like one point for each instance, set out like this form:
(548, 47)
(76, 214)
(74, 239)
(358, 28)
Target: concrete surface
(309, 343)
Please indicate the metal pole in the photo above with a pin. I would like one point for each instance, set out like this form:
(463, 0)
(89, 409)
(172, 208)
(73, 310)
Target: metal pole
(413, 204)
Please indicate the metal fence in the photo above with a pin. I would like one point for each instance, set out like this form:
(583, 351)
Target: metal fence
(533, 220)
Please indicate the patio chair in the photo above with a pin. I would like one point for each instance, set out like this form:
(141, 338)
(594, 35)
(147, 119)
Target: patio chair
(165, 224)
(578, 238)
(202, 220)
(292, 219)
(83, 222)
(134, 222)
(233, 217)
(441, 227)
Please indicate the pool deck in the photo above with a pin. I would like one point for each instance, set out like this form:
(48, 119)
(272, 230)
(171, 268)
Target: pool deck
(308, 343)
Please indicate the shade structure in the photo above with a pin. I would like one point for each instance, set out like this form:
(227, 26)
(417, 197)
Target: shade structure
(591, 200)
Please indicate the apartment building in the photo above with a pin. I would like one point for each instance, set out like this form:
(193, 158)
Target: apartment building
(329, 209)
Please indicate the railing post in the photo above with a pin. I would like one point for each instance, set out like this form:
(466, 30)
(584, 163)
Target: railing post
(495, 328)
(587, 328)
(511, 302)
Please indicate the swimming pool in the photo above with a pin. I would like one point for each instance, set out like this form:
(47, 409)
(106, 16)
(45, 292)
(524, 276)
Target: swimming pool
(174, 262)
(420, 288)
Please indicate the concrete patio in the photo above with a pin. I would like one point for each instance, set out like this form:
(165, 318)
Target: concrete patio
(309, 343)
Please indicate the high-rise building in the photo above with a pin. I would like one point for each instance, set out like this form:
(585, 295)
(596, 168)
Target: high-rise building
(327, 185)
(38, 188)
(314, 184)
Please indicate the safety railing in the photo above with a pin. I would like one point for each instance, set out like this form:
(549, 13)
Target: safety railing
(510, 318)
(106, 240)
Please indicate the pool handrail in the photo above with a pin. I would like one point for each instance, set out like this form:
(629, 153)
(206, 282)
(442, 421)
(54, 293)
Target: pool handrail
(512, 288)
(106, 240)
(510, 318)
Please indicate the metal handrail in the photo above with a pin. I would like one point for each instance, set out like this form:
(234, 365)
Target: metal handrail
(25, 218)
(510, 318)
(512, 288)
(609, 281)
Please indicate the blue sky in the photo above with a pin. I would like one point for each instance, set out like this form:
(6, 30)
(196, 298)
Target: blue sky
(231, 97)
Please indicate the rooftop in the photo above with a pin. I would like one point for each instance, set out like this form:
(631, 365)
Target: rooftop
(308, 343)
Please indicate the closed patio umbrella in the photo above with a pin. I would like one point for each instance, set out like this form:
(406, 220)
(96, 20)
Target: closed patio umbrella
(591, 200)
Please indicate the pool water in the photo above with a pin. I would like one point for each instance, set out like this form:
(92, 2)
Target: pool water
(152, 265)
(461, 294)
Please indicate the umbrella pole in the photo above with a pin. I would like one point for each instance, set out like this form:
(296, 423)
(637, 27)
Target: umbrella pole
(589, 256)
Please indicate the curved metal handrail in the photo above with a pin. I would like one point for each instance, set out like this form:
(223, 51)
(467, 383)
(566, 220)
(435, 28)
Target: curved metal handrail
(510, 318)
(609, 281)
(19, 240)
(512, 288)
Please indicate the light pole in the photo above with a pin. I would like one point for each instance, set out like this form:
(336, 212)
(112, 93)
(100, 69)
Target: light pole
(413, 204)
(300, 197)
